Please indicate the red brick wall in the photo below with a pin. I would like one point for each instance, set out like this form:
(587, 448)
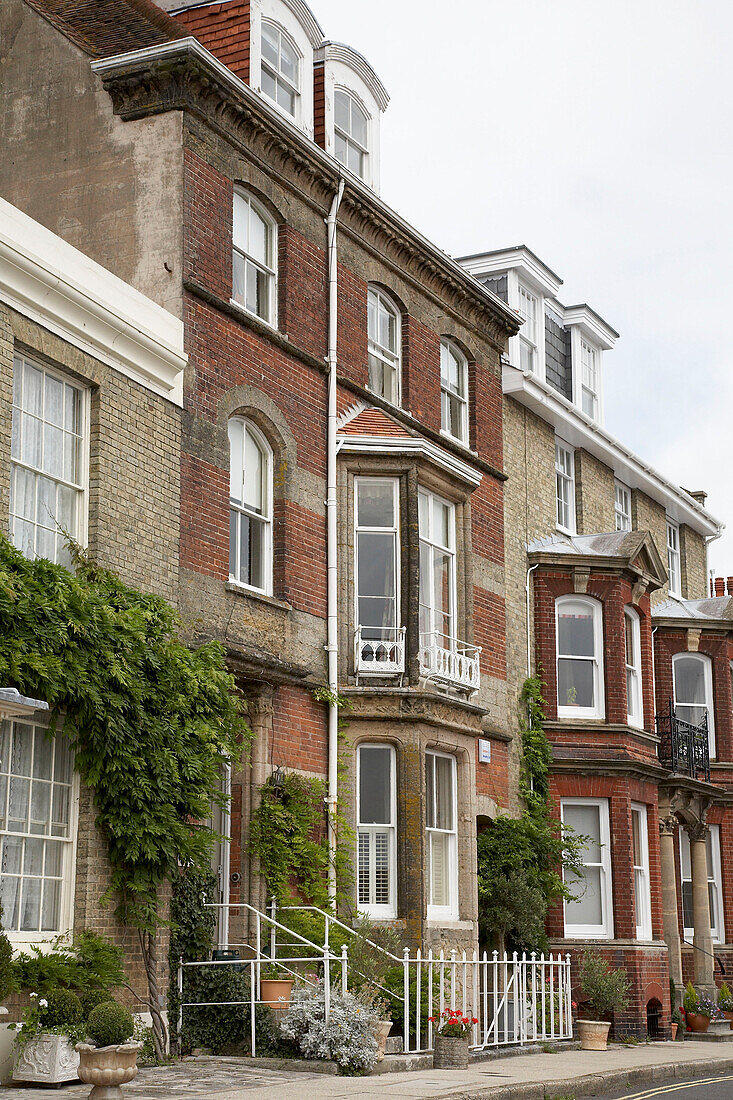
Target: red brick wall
(207, 242)
(300, 731)
(492, 779)
(719, 648)
(223, 29)
(303, 292)
(319, 105)
(421, 371)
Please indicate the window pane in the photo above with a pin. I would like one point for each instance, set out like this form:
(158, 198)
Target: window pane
(363, 873)
(258, 237)
(341, 111)
(358, 123)
(375, 503)
(689, 680)
(355, 160)
(575, 683)
(375, 794)
(30, 451)
(376, 564)
(443, 793)
(586, 821)
(55, 401)
(254, 471)
(440, 868)
(381, 868)
(430, 790)
(33, 390)
(588, 909)
(687, 910)
(575, 630)
(270, 44)
(288, 61)
(285, 98)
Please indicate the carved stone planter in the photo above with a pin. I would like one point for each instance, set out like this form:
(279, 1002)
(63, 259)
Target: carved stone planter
(48, 1060)
(106, 1068)
(381, 1031)
(450, 1053)
(593, 1034)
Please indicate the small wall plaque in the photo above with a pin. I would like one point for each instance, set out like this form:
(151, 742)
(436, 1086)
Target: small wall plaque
(484, 751)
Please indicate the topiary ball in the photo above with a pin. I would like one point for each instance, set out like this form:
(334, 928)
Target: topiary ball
(93, 997)
(110, 1025)
(63, 1009)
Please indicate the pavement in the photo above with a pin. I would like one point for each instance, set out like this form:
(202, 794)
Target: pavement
(568, 1075)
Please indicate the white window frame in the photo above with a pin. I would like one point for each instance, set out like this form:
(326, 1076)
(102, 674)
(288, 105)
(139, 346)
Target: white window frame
(634, 696)
(265, 517)
(529, 307)
(565, 487)
(709, 703)
(429, 539)
(642, 882)
(45, 940)
(674, 561)
(578, 338)
(389, 360)
(715, 880)
(604, 930)
(269, 270)
(515, 281)
(599, 710)
(394, 531)
(80, 487)
(278, 76)
(449, 347)
(348, 138)
(379, 911)
(588, 377)
(450, 911)
(622, 505)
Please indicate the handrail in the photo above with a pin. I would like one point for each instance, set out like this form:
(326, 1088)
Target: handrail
(352, 932)
(263, 916)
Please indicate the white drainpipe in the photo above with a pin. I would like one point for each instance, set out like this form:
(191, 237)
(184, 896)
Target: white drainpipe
(225, 862)
(332, 540)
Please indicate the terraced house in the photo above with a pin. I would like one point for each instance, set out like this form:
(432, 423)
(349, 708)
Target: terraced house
(394, 477)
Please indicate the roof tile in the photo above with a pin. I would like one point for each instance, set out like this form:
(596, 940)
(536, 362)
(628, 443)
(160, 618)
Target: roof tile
(102, 28)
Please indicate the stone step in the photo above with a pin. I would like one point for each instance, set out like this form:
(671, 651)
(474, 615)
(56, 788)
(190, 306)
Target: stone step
(394, 1045)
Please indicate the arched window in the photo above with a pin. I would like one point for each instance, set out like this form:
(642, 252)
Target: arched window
(632, 638)
(377, 831)
(453, 391)
(692, 675)
(351, 132)
(250, 502)
(385, 346)
(279, 68)
(254, 248)
(579, 639)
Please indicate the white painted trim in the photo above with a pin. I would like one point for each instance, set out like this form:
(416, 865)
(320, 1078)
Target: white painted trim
(643, 905)
(635, 719)
(388, 911)
(49, 281)
(591, 324)
(603, 931)
(599, 687)
(339, 51)
(534, 272)
(580, 431)
(366, 444)
(709, 697)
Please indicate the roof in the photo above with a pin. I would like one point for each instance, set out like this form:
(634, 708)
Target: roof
(634, 550)
(103, 28)
(713, 609)
(371, 422)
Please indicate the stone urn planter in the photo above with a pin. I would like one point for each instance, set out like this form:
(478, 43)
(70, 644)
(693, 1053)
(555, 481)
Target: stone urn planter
(382, 1031)
(593, 1034)
(697, 1022)
(48, 1059)
(450, 1053)
(107, 1068)
(276, 992)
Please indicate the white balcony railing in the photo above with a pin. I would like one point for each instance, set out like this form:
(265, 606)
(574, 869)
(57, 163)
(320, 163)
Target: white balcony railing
(383, 655)
(449, 660)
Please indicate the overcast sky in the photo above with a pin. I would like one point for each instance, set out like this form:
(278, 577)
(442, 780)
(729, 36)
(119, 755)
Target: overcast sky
(600, 134)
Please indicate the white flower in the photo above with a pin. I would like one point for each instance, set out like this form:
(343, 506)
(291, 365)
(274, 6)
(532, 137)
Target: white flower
(34, 994)
(43, 1003)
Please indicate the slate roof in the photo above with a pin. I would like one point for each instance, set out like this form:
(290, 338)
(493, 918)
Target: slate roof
(103, 28)
(713, 609)
(611, 544)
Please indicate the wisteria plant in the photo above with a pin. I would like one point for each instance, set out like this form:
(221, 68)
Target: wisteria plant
(453, 1024)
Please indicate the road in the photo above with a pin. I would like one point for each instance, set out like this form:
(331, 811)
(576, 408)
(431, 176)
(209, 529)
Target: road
(706, 1088)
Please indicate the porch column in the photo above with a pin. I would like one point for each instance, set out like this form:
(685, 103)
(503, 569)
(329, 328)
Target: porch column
(704, 964)
(260, 712)
(667, 830)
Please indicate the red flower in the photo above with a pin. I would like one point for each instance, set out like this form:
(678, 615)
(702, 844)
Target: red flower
(474, 1020)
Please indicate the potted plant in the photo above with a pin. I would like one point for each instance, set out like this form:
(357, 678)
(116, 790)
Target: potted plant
(605, 992)
(372, 955)
(725, 1003)
(697, 1010)
(675, 1023)
(276, 987)
(452, 1039)
(109, 1059)
(45, 1039)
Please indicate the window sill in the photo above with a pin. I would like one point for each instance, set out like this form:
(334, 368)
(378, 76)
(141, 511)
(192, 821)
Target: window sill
(458, 442)
(253, 594)
(450, 922)
(253, 316)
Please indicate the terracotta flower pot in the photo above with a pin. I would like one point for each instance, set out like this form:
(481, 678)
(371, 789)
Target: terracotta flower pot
(275, 992)
(382, 1030)
(729, 1017)
(450, 1053)
(673, 1029)
(593, 1034)
(697, 1022)
(106, 1068)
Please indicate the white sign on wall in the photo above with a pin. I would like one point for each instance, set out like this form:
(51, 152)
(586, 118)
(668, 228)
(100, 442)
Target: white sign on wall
(484, 751)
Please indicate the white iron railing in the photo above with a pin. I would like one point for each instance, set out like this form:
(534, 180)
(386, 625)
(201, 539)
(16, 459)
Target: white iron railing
(450, 660)
(514, 1000)
(383, 656)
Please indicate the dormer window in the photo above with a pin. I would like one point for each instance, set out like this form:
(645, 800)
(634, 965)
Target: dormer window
(588, 379)
(280, 68)
(528, 341)
(351, 129)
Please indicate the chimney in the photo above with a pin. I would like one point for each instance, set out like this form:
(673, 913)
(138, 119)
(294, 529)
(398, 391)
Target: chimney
(730, 586)
(697, 494)
(720, 586)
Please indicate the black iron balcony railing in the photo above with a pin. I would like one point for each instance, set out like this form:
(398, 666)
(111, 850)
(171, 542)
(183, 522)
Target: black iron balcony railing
(683, 748)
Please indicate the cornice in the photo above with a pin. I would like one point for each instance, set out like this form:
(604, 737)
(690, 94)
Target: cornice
(596, 563)
(414, 445)
(182, 75)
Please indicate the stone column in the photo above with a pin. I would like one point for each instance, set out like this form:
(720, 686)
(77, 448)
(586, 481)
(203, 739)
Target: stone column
(667, 830)
(260, 711)
(704, 963)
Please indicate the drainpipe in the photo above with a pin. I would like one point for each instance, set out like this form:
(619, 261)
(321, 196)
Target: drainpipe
(530, 571)
(225, 862)
(331, 541)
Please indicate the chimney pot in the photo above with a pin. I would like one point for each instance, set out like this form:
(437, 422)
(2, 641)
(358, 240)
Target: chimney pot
(720, 586)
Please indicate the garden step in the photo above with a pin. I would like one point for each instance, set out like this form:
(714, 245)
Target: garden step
(395, 1044)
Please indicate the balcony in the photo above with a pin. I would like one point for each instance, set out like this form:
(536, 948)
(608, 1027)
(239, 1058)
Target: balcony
(683, 748)
(450, 661)
(383, 655)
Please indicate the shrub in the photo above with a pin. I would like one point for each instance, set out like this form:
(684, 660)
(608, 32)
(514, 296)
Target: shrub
(93, 997)
(725, 1001)
(62, 1008)
(605, 991)
(347, 1037)
(88, 962)
(8, 982)
(696, 1005)
(110, 1025)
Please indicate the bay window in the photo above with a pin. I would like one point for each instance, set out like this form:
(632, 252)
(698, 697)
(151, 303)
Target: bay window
(692, 682)
(385, 352)
(442, 835)
(437, 526)
(715, 884)
(48, 455)
(380, 645)
(565, 487)
(591, 914)
(351, 132)
(453, 391)
(37, 831)
(254, 251)
(376, 831)
(579, 644)
(673, 559)
(279, 68)
(250, 507)
(642, 889)
(632, 642)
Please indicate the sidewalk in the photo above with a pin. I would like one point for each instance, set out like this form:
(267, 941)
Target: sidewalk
(536, 1076)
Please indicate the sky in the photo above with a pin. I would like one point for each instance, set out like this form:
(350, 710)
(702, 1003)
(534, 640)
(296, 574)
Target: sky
(600, 134)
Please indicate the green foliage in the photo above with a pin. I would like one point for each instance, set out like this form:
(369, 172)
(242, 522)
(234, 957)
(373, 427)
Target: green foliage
(92, 998)
(521, 860)
(8, 979)
(151, 721)
(694, 1004)
(605, 991)
(369, 963)
(88, 962)
(288, 839)
(725, 1001)
(62, 1008)
(110, 1024)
